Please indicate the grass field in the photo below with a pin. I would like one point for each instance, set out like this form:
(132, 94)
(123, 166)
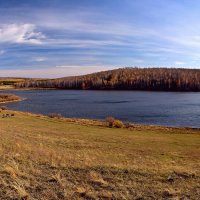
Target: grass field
(8, 83)
(44, 158)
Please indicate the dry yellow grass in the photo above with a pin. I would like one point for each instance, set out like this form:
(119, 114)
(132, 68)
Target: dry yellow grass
(44, 158)
(6, 98)
(7, 87)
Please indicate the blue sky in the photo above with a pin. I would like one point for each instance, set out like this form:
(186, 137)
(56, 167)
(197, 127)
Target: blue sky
(53, 38)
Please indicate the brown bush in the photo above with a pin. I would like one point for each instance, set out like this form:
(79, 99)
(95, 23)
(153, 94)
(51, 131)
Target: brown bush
(112, 122)
(118, 124)
(55, 115)
(3, 108)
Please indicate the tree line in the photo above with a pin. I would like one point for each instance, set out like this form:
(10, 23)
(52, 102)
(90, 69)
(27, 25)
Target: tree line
(154, 79)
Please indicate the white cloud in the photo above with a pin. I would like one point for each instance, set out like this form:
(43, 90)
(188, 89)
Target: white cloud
(179, 63)
(24, 33)
(39, 59)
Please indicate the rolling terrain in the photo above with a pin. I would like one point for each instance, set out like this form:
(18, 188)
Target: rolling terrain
(7, 83)
(152, 79)
(49, 158)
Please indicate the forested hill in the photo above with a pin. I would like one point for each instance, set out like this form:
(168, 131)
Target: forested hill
(154, 79)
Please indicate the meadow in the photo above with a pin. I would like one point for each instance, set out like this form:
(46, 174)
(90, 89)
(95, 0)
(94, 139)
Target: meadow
(50, 158)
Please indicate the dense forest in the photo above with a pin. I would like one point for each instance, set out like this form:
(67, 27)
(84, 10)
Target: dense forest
(155, 79)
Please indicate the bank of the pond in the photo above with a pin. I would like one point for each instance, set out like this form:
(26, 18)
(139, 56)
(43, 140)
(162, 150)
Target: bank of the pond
(51, 158)
(9, 98)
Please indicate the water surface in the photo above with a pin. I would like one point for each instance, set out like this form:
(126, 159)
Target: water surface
(161, 108)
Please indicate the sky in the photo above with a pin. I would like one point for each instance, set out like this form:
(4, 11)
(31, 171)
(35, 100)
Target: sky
(57, 38)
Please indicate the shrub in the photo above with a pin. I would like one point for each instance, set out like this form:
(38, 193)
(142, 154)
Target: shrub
(3, 108)
(55, 115)
(118, 124)
(112, 122)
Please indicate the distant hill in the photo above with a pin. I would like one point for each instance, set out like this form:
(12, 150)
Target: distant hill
(7, 83)
(153, 79)
(12, 80)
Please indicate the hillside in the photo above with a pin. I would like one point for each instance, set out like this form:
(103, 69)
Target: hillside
(8, 83)
(48, 158)
(11, 80)
(155, 79)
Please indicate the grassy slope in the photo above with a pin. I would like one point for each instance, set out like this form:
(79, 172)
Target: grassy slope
(8, 83)
(43, 158)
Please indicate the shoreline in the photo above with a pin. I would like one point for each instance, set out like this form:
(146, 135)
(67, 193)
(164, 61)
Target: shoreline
(5, 102)
(131, 124)
(9, 98)
(103, 123)
(24, 89)
(46, 152)
(119, 90)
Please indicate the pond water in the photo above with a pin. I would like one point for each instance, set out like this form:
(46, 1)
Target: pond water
(160, 108)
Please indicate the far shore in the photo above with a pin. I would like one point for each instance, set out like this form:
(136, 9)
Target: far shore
(7, 87)
(11, 87)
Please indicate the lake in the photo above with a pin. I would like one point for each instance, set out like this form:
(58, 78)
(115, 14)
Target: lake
(159, 108)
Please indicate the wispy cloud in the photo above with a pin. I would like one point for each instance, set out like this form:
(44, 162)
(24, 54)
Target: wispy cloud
(52, 72)
(84, 33)
(179, 63)
(24, 33)
(39, 59)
